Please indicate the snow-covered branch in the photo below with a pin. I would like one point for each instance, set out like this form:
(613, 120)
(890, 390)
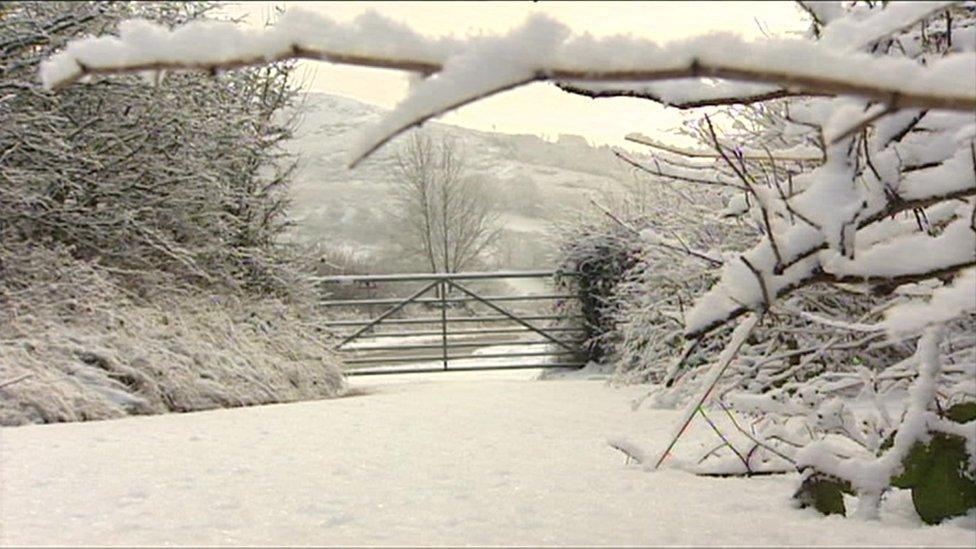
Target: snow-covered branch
(541, 49)
(796, 154)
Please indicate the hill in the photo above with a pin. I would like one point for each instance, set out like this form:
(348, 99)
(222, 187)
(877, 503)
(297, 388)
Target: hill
(535, 181)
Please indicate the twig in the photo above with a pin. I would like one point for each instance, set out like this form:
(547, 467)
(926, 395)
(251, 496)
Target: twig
(752, 438)
(693, 104)
(778, 268)
(862, 124)
(685, 353)
(628, 449)
(606, 211)
(15, 380)
(767, 300)
(739, 336)
(789, 207)
(661, 173)
(697, 68)
(691, 153)
(745, 462)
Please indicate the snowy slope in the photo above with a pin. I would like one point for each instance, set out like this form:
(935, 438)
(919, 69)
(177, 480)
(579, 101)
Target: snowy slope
(534, 180)
(466, 460)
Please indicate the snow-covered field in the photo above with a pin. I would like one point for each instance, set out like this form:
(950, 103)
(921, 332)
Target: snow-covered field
(494, 458)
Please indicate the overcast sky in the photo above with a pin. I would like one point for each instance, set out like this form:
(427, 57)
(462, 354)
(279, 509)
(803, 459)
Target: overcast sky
(538, 108)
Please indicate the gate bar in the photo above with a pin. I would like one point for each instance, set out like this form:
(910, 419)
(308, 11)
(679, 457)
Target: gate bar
(394, 370)
(438, 358)
(451, 345)
(514, 330)
(443, 287)
(393, 300)
(346, 279)
(511, 316)
(391, 311)
(435, 320)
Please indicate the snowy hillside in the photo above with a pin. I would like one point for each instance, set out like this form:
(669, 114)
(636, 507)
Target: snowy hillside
(534, 180)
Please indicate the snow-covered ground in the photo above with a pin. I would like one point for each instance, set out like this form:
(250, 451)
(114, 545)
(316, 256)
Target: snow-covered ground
(494, 458)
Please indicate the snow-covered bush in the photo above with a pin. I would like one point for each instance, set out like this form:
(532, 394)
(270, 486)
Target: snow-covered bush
(642, 256)
(600, 253)
(139, 265)
(861, 187)
(76, 345)
(183, 177)
(836, 261)
(680, 241)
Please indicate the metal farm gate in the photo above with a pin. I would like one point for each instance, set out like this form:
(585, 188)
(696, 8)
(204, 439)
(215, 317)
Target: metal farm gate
(458, 329)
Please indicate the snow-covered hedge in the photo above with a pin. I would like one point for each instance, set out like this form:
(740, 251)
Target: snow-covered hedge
(186, 177)
(140, 263)
(74, 345)
(600, 254)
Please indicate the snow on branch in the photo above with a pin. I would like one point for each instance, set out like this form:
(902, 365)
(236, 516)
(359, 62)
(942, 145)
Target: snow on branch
(813, 255)
(853, 33)
(947, 303)
(141, 45)
(541, 49)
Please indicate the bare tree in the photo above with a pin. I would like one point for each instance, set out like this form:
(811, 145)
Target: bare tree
(445, 214)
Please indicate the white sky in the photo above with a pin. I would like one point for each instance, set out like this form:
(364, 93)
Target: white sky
(538, 108)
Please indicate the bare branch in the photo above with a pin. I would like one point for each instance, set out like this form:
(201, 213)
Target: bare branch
(683, 105)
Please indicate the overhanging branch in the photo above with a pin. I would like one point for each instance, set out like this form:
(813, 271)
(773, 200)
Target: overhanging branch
(800, 83)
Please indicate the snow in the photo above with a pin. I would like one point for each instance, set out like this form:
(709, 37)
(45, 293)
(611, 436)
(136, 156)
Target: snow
(870, 477)
(848, 33)
(955, 175)
(448, 459)
(909, 254)
(110, 357)
(832, 201)
(947, 303)
(142, 43)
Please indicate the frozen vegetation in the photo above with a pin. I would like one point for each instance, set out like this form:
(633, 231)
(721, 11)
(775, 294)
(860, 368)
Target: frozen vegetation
(83, 350)
(141, 269)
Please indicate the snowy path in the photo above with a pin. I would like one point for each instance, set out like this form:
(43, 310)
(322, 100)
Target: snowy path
(485, 459)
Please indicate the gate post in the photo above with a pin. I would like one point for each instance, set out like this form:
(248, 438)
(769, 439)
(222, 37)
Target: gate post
(443, 291)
